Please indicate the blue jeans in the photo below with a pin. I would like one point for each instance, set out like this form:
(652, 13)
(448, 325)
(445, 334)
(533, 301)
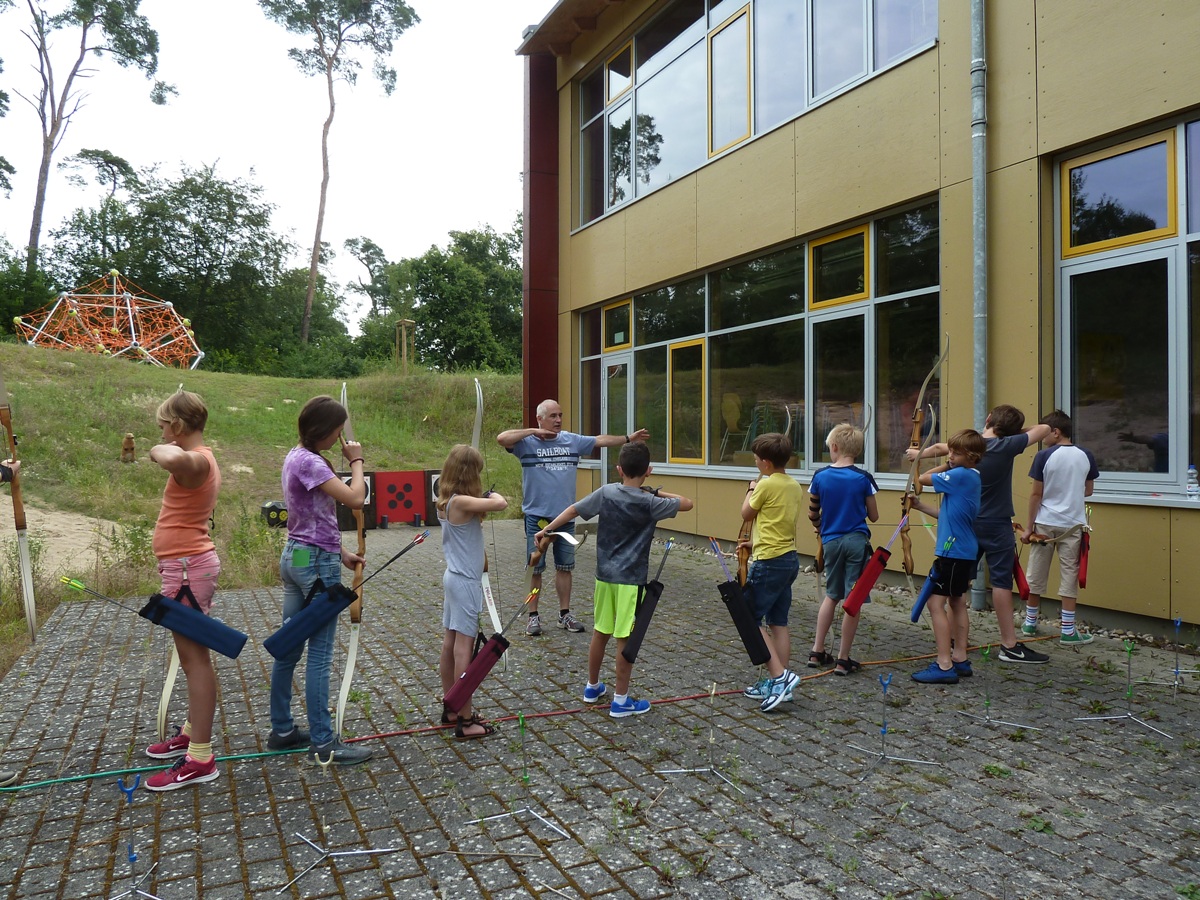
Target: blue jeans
(297, 581)
(769, 587)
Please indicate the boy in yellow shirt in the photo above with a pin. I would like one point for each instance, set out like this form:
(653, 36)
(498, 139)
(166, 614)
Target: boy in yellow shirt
(773, 504)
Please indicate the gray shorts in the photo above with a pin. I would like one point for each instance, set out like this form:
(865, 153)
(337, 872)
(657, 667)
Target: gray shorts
(845, 559)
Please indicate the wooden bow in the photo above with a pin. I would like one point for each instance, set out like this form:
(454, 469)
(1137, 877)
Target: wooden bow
(488, 596)
(743, 550)
(19, 518)
(360, 523)
(912, 486)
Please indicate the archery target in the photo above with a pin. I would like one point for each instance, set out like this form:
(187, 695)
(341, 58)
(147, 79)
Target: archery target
(400, 496)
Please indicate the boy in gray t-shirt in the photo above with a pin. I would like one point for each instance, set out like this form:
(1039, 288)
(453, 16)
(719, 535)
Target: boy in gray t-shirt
(628, 513)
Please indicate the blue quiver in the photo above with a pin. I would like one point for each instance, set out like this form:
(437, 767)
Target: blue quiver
(178, 617)
(320, 606)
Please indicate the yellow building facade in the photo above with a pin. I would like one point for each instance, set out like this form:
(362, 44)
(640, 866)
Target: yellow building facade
(763, 216)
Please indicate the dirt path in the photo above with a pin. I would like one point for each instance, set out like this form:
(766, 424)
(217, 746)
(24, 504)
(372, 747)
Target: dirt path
(67, 539)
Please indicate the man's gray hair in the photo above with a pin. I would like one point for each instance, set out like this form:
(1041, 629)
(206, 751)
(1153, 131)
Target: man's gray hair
(543, 407)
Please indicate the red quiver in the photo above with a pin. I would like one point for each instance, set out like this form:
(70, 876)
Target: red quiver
(861, 592)
(1084, 546)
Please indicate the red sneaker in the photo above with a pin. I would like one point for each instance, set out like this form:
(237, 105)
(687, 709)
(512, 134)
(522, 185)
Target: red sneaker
(185, 771)
(175, 745)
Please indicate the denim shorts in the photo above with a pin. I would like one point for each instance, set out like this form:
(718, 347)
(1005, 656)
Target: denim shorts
(845, 559)
(769, 587)
(564, 551)
(998, 545)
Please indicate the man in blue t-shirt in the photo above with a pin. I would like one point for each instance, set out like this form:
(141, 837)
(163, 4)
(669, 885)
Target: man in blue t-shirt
(549, 457)
(1005, 441)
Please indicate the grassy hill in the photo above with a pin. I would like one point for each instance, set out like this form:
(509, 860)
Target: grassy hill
(71, 410)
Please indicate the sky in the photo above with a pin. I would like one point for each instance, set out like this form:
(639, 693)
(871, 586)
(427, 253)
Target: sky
(443, 153)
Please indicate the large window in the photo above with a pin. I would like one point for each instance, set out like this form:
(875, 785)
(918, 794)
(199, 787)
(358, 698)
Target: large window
(1129, 326)
(722, 357)
(704, 76)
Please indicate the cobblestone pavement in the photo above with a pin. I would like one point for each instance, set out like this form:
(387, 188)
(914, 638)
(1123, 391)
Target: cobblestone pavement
(1096, 809)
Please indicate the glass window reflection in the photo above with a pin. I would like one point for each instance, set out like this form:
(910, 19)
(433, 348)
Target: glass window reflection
(902, 26)
(669, 35)
(730, 84)
(1120, 195)
(838, 365)
(756, 384)
(687, 402)
(620, 147)
(616, 326)
(669, 313)
(1193, 175)
(620, 72)
(768, 287)
(672, 122)
(907, 251)
(780, 62)
(591, 172)
(838, 44)
(839, 268)
(906, 347)
(1120, 376)
(650, 398)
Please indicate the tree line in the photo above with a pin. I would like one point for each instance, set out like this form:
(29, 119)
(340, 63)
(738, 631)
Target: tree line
(208, 244)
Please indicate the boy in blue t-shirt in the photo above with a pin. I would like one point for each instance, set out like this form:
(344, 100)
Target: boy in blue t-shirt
(953, 568)
(842, 500)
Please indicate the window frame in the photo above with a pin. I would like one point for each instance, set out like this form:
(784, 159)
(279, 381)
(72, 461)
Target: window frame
(744, 12)
(1066, 166)
(814, 304)
(604, 311)
(672, 348)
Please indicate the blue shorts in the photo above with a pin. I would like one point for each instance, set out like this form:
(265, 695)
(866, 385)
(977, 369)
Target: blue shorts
(845, 559)
(769, 588)
(998, 545)
(564, 551)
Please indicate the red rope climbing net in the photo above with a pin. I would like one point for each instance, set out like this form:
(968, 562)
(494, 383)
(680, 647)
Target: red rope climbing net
(114, 317)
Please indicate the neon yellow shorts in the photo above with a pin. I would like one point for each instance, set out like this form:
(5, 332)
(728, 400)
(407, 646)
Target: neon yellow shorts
(615, 605)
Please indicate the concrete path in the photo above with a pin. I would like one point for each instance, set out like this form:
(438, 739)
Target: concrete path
(1074, 809)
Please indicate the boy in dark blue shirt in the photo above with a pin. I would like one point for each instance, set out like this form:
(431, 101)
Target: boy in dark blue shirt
(959, 484)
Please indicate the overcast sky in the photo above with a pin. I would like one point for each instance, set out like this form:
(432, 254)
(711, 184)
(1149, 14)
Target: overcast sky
(443, 153)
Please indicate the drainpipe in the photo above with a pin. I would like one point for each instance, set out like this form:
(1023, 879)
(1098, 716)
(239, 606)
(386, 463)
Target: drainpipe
(979, 228)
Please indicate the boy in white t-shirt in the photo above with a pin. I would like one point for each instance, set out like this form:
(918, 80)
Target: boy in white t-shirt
(1063, 476)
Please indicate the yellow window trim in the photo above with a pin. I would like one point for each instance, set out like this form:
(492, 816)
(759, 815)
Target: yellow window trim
(606, 347)
(813, 303)
(715, 151)
(609, 96)
(1141, 237)
(671, 348)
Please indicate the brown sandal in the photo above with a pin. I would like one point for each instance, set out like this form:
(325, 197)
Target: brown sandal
(488, 728)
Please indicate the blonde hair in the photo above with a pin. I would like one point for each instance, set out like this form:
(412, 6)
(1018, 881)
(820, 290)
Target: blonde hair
(460, 475)
(184, 411)
(849, 440)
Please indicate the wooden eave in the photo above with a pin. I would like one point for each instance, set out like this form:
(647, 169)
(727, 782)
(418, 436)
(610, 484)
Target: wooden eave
(562, 25)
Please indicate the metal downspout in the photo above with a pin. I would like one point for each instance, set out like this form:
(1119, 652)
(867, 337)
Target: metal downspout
(979, 229)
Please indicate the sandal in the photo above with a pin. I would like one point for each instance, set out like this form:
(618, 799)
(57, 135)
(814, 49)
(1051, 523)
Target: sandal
(460, 735)
(847, 666)
(819, 658)
(447, 719)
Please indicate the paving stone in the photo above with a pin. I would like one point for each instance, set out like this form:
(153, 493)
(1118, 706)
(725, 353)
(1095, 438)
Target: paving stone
(1090, 809)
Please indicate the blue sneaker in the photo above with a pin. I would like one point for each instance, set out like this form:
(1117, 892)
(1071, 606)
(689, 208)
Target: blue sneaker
(759, 690)
(630, 707)
(935, 674)
(780, 689)
(592, 694)
(963, 669)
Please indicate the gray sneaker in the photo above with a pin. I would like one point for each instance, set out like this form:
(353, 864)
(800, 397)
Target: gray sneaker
(7, 777)
(570, 623)
(535, 624)
(297, 737)
(779, 690)
(343, 754)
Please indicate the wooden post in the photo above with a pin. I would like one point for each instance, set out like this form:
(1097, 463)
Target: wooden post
(402, 333)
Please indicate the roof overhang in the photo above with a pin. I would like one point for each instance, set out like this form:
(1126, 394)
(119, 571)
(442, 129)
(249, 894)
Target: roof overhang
(562, 25)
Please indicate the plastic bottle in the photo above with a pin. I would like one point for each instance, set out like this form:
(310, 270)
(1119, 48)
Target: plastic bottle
(1193, 484)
